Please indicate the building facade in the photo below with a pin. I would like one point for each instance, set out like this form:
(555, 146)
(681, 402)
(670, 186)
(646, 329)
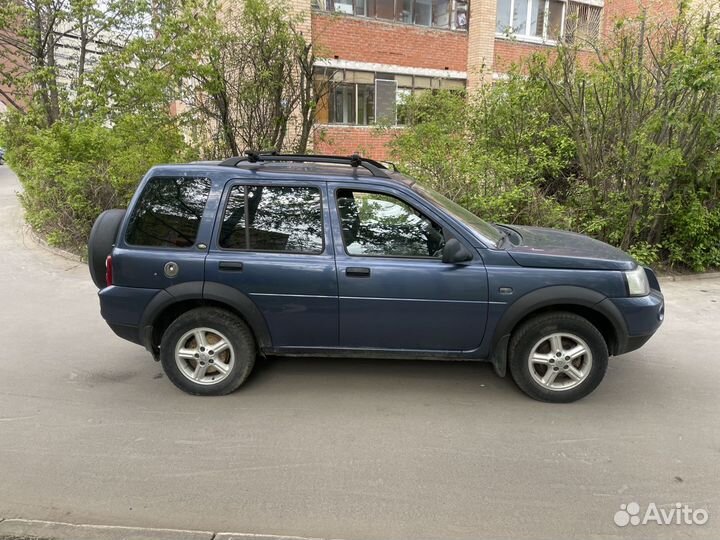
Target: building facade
(373, 54)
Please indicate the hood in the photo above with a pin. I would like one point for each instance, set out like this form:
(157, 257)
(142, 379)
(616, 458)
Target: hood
(551, 248)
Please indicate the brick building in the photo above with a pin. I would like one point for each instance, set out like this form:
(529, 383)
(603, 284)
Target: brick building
(374, 53)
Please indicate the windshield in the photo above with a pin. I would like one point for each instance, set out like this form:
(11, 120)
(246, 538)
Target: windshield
(467, 217)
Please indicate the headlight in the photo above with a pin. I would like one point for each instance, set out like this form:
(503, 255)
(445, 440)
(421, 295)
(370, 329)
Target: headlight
(637, 282)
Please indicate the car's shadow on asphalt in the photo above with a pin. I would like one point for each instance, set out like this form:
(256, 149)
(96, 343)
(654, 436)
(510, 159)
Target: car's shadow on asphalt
(474, 382)
(394, 375)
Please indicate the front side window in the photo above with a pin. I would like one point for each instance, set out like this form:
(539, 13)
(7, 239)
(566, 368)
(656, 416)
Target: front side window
(273, 218)
(168, 212)
(376, 224)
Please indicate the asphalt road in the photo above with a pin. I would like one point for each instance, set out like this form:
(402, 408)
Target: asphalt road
(92, 432)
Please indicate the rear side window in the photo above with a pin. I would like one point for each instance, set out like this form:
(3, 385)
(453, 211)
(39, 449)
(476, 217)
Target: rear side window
(168, 212)
(273, 218)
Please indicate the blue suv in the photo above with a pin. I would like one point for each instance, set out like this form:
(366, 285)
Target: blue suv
(215, 264)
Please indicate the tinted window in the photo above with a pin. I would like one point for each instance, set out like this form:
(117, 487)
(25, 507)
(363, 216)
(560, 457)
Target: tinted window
(168, 212)
(273, 218)
(378, 224)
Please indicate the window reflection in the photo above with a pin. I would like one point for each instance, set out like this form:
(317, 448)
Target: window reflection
(168, 212)
(382, 225)
(273, 218)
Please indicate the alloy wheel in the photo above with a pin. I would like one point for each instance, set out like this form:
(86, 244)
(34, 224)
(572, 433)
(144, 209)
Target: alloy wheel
(560, 361)
(204, 356)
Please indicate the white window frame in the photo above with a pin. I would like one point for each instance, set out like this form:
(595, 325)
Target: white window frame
(528, 17)
(527, 36)
(544, 40)
(453, 7)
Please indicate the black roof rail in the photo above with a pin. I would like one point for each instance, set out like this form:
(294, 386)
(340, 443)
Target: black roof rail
(374, 167)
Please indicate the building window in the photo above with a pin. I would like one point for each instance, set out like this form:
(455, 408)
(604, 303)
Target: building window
(548, 20)
(363, 97)
(344, 6)
(342, 103)
(449, 14)
(582, 23)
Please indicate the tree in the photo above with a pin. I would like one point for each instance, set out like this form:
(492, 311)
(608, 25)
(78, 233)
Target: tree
(246, 77)
(644, 119)
(33, 31)
(619, 140)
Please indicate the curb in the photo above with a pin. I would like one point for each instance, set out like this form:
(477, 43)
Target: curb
(689, 277)
(32, 529)
(28, 232)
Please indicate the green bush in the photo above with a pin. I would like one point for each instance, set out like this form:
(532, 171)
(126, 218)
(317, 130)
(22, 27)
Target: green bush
(623, 146)
(695, 237)
(490, 151)
(74, 170)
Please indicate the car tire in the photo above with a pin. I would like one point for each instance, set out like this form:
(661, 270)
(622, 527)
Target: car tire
(189, 355)
(103, 236)
(557, 357)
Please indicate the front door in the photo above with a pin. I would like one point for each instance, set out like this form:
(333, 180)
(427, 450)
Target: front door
(271, 243)
(395, 291)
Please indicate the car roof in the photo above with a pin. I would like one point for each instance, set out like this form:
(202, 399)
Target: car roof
(282, 170)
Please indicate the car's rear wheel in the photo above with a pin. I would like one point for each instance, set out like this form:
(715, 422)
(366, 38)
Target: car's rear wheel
(207, 351)
(558, 357)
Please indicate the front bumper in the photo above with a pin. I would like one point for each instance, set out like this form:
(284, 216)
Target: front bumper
(642, 317)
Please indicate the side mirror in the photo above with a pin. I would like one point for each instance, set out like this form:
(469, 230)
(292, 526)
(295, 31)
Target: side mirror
(454, 252)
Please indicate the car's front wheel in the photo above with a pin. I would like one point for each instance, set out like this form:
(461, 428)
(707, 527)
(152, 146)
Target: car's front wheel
(558, 357)
(207, 351)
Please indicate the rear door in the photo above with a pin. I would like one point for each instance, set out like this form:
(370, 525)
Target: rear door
(272, 242)
(164, 242)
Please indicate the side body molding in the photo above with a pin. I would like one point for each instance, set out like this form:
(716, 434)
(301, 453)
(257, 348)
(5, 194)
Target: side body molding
(546, 297)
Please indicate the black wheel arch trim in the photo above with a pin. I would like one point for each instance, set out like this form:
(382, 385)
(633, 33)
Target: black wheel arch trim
(218, 292)
(548, 297)
(198, 290)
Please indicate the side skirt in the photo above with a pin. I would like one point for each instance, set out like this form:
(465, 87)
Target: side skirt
(404, 354)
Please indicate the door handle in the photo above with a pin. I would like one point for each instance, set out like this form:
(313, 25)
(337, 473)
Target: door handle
(357, 271)
(230, 266)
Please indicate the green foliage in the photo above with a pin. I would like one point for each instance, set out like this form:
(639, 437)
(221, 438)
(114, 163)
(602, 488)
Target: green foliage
(238, 73)
(493, 153)
(645, 253)
(75, 169)
(694, 240)
(174, 80)
(623, 146)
